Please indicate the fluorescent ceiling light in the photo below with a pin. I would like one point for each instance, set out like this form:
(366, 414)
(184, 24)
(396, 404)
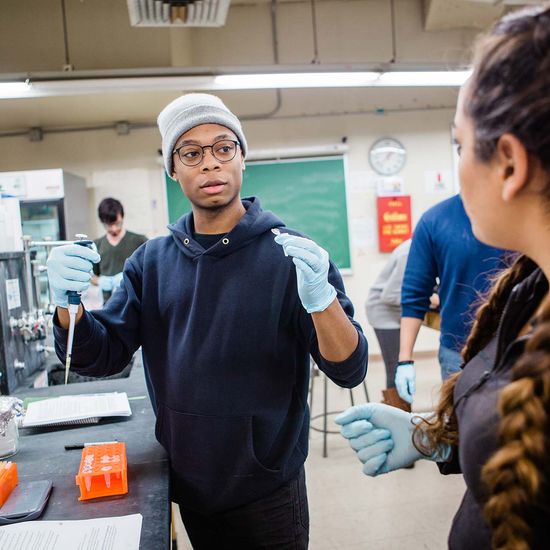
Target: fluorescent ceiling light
(357, 79)
(14, 89)
(83, 86)
(340, 80)
(423, 78)
(294, 80)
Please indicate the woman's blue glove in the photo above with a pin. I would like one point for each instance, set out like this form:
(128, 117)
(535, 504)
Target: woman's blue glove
(312, 265)
(382, 437)
(70, 268)
(405, 382)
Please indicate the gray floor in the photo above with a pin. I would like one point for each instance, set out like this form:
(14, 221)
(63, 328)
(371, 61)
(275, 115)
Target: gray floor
(409, 509)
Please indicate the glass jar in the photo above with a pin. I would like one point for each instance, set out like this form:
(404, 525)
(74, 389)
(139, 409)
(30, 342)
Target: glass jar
(9, 440)
(9, 434)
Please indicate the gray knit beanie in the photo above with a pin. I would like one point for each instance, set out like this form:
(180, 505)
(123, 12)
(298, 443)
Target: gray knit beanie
(188, 111)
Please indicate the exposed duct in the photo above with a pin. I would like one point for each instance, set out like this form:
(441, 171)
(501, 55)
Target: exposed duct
(38, 133)
(178, 13)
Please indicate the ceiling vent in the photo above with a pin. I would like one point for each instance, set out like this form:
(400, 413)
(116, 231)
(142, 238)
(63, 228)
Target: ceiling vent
(178, 13)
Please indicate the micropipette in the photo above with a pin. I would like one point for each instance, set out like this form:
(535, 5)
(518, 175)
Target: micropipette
(74, 302)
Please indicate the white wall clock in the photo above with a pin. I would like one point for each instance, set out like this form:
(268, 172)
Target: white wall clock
(387, 156)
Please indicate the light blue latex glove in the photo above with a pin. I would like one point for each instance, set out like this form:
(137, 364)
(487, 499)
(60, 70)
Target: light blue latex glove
(312, 265)
(405, 382)
(105, 283)
(387, 445)
(70, 268)
(117, 279)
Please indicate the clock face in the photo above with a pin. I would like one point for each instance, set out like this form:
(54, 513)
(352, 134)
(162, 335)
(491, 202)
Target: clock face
(387, 156)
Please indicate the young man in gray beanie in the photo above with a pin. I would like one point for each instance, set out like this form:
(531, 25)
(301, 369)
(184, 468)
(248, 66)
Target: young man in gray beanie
(227, 309)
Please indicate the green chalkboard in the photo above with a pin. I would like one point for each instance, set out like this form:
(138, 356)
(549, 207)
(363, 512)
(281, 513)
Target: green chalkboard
(309, 195)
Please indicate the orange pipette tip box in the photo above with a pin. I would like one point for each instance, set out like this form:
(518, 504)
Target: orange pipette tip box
(103, 471)
(8, 480)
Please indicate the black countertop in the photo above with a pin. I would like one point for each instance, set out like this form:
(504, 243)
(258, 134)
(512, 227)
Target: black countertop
(42, 456)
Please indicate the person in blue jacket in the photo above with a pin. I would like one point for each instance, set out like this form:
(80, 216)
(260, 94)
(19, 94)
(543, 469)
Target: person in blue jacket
(444, 248)
(492, 422)
(227, 309)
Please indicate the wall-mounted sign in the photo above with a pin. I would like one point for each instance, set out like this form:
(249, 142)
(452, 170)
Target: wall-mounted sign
(390, 186)
(438, 182)
(394, 221)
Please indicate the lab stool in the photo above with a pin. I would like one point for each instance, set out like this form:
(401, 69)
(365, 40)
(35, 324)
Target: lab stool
(314, 373)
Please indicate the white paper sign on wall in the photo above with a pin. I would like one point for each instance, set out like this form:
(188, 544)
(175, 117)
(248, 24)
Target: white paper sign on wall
(390, 186)
(438, 182)
(13, 294)
(361, 182)
(363, 233)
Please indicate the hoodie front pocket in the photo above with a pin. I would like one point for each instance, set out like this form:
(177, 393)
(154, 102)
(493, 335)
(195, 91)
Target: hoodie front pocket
(213, 447)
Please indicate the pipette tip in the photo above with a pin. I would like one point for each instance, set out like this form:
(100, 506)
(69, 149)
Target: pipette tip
(67, 367)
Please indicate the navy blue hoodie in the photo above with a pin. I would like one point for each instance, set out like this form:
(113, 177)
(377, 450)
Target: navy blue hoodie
(226, 345)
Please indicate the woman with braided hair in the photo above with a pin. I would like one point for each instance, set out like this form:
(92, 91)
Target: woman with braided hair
(492, 423)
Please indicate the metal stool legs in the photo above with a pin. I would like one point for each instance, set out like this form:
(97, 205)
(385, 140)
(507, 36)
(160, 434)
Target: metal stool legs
(324, 430)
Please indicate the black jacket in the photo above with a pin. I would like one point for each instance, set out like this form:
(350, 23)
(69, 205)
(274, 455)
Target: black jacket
(475, 396)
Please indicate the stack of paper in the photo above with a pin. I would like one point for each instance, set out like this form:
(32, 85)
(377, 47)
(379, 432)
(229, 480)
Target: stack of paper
(117, 533)
(69, 409)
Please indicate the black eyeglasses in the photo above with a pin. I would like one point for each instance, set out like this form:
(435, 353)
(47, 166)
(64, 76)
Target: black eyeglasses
(192, 155)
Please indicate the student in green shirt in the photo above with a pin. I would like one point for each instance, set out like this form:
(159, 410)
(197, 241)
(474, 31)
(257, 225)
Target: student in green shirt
(114, 247)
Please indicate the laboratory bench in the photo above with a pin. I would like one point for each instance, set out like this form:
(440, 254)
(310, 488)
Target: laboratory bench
(42, 456)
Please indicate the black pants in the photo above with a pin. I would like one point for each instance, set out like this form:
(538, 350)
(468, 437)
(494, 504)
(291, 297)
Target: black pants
(389, 346)
(279, 521)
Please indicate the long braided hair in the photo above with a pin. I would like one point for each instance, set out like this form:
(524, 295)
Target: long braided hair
(510, 93)
(443, 427)
(517, 475)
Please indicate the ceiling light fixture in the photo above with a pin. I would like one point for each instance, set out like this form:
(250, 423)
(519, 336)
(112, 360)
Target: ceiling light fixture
(14, 89)
(423, 78)
(340, 79)
(294, 80)
(143, 83)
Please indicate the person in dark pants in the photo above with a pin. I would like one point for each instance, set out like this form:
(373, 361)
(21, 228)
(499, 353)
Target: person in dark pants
(493, 420)
(114, 247)
(383, 309)
(227, 309)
